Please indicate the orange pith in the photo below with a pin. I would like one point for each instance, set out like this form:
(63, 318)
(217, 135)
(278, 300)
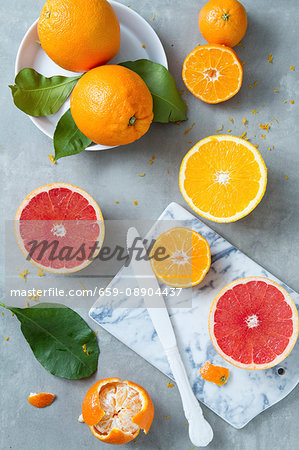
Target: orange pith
(253, 323)
(215, 374)
(213, 73)
(223, 178)
(116, 410)
(79, 35)
(223, 22)
(112, 105)
(186, 259)
(53, 208)
(41, 400)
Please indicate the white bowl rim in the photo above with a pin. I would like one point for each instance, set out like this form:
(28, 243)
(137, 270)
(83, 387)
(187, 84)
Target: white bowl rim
(162, 57)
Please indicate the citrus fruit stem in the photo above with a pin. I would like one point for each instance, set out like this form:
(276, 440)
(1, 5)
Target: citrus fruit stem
(225, 16)
(132, 121)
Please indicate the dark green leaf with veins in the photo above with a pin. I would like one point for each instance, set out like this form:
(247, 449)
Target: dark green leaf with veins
(56, 335)
(68, 139)
(38, 95)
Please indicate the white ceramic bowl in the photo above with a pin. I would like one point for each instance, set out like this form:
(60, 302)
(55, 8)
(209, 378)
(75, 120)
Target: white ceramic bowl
(138, 40)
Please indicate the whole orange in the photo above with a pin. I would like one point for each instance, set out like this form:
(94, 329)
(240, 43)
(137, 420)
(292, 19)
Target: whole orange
(223, 22)
(79, 34)
(112, 105)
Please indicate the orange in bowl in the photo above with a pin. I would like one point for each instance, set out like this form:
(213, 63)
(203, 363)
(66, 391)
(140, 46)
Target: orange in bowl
(116, 410)
(112, 105)
(79, 35)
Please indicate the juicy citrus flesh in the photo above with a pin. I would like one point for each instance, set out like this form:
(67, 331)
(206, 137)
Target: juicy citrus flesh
(41, 400)
(223, 178)
(60, 213)
(214, 374)
(112, 105)
(116, 410)
(213, 73)
(186, 259)
(223, 22)
(79, 35)
(253, 323)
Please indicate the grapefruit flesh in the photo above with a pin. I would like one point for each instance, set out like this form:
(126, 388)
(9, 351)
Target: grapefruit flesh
(67, 219)
(253, 323)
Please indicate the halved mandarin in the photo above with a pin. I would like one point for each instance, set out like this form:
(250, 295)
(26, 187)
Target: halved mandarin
(223, 178)
(213, 73)
(116, 410)
(186, 260)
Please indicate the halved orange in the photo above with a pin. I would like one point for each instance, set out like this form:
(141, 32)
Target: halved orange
(186, 258)
(223, 178)
(116, 410)
(213, 73)
(41, 400)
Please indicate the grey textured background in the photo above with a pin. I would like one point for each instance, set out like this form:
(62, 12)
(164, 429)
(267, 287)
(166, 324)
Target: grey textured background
(269, 234)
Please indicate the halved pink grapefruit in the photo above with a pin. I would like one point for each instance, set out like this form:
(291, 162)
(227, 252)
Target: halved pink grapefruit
(253, 323)
(57, 226)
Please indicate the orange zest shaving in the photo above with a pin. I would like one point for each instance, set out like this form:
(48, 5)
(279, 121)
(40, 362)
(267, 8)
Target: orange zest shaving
(40, 272)
(51, 158)
(270, 58)
(135, 202)
(141, 175)
(275, 119)
(292, 68)
(7, 339)
(154, 15)
(263, 136)
(265, 127)
(231, 120)
(41, 400)
(189, 129)
(215, 374)
(243, 135)
(85, 349)
(244, 121)
(292, 102)
(24, 274)
(253, 85)
(254, 111)
(229, 130)
(143, 46)
(117, 202)
(170, 384)
(220, 129)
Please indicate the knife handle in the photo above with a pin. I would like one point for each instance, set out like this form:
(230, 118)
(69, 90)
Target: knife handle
(200, 431)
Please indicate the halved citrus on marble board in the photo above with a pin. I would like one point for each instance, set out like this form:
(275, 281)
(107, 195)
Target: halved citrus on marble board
(41, 400)
(253, 323)
(213, 73)
(223, 178)
(117, 410)
(59, 228)
(186, 258)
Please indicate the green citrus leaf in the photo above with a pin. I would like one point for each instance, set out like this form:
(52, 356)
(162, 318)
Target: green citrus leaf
(37, 95)
(68, 139)
(56, 335)
(168, 104)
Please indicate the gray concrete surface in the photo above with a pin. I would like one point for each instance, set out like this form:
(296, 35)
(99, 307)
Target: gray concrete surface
(269, 234)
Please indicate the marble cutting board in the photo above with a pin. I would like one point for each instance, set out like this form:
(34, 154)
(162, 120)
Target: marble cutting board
(247, 393)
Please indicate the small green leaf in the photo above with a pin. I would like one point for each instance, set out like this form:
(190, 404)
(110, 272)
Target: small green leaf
(57, 336)
(37, 95)
(168, 104)
(68, 139)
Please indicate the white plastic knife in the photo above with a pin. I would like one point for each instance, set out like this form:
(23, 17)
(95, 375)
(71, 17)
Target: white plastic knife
(200, 431)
